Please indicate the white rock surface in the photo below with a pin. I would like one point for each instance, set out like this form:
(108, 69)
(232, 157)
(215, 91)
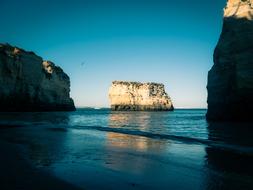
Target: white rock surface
(139, 96)
(239, 9)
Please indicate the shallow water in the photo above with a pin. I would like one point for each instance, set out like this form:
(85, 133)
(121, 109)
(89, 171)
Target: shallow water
(181, 124)
(189, 123)
(100, 149)
(186, 123)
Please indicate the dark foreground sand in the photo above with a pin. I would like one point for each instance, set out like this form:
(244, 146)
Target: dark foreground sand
(17, 173)
(50, 157)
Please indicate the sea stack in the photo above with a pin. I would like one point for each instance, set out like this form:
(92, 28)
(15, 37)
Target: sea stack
(136, 96)
(28, 83)
(230, 81)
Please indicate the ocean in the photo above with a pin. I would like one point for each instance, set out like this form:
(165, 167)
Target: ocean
(103, 149)
(185, 123)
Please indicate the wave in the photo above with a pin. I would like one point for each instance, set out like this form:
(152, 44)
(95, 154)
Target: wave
(181, 139)
(188, 140)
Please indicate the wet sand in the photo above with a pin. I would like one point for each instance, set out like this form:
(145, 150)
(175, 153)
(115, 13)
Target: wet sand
(16, 172)
(50, 157)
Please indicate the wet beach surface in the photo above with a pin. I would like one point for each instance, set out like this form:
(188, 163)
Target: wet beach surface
(97, 149)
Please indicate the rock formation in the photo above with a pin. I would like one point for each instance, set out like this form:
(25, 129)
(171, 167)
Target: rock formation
(230, 81)
(139, 96)
(27, 83)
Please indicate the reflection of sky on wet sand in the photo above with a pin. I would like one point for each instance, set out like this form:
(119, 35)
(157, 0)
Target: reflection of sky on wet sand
(132, 142)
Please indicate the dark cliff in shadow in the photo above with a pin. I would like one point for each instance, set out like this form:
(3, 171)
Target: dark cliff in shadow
(230, 81)
(27, 83)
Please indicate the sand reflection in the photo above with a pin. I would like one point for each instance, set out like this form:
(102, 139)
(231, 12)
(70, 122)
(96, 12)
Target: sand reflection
(134, 121)
(123, 143)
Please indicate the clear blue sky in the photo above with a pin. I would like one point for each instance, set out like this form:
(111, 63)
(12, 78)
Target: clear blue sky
(170, 42)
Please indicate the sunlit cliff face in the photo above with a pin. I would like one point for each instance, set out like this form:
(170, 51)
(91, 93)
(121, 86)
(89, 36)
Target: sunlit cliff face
(239, 9)
(48, 66)
(139, 96)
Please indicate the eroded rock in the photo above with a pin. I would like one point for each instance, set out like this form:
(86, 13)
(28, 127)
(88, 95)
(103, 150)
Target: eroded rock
(139, 96)
(27, 83)
(230, 81)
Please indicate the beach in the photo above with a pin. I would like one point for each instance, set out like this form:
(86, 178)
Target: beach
(60, 155)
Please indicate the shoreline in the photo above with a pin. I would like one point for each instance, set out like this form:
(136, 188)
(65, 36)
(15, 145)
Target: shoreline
(60, 157)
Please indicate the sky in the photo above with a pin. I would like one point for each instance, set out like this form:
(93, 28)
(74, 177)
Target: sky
(97, 42)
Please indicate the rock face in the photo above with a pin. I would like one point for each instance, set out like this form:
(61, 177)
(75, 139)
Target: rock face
(137, 96)
(27, 83)
(230, 81)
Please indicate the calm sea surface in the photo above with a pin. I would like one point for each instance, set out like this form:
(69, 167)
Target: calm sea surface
(186, 123)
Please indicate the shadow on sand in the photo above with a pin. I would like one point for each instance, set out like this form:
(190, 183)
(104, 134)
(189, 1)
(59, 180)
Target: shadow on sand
(226, 169)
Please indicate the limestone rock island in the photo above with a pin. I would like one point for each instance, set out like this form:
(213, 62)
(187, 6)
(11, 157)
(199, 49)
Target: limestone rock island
(230, 81)
(137, 96)
(27, 83)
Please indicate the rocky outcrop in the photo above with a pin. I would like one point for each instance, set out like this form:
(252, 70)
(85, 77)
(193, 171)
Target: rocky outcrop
(137, 96)
(27, 83)
(230, 81)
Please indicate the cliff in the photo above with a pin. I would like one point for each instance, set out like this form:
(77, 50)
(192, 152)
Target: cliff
(139, 96)
(27, 83)
(230, 81)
